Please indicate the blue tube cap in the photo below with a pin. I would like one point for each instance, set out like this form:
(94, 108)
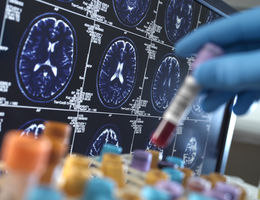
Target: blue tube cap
(43, 193)
(150, 193)
(99, 189)
(178, 162)
(174, 174)
(109, 148)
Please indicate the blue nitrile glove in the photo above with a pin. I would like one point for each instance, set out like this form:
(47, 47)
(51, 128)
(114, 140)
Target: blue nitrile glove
(237, 72)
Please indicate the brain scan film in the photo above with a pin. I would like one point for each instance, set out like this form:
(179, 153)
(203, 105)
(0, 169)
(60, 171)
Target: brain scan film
(46, 58)
(196, 107)
(35, 126)
(165, 83)
(65, 1)
(178, 19)
(151, 146)
(117, 73)
(131, 12)
(108, 133)
(190, 152)
(212, 16)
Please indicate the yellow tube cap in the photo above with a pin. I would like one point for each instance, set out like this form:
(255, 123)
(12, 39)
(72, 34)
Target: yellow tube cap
(112, 167)
(155, 158)
(154, 176)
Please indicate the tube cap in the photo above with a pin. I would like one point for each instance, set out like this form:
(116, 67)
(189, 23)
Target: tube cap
(175, 190)
(24, 153)
(76, 161)
(229, 190)
(215, 177)
(109, 148)
(141, 160)
(43, 193)
(155, 158)
(74, 175)
(198, 184)
(99, 188)
(57, 130)
(155, 175)
(216, 195)
(112, 167)
(150, 193)
(175, 175)
(177, 162)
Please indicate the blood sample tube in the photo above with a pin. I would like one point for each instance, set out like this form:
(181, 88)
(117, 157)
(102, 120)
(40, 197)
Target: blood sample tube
(75, 175)
(141, 160)
(58, 134)
(25, 159)
(184, 97)
(155, 158)
(112, 167)
(154, 176)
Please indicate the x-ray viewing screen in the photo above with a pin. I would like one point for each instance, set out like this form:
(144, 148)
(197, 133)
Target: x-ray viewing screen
(106, 67)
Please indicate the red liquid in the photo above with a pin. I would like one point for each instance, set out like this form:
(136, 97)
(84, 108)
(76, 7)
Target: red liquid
(163, 133)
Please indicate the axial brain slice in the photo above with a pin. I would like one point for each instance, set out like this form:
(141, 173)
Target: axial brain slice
(131, 12)
(34, 126)
(45, 61)
(165, 83)
(117, 74)
(107, 134)
(190, 151)
(178, 19)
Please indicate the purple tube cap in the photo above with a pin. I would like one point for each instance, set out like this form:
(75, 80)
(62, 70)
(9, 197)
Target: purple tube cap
(233, 192)
(141, 160)
(175, 190)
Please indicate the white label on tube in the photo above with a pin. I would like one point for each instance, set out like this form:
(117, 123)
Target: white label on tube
(182, 100)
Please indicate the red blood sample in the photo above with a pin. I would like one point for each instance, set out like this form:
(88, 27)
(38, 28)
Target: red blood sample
(163, 133)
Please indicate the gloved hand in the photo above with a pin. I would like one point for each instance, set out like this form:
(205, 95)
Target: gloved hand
(237, 72)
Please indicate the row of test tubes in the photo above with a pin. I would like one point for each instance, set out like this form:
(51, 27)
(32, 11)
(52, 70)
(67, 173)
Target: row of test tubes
(35, 169)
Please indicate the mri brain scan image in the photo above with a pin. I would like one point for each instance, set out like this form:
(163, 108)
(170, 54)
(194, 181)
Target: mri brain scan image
(108, 133)
(65, 1)
(46, 58)
(151, 146)
(117, 73)
(190, 152)
(196, 107)
(165, 83)
(35, 126)
(212, 16)
(131, 12)
(178, 19)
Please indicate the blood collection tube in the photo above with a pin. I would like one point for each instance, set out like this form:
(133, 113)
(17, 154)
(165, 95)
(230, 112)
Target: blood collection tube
(25, 159)
(58, 134)
(74, 175)
(112, 167)
(154, 176)
(183, 99)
